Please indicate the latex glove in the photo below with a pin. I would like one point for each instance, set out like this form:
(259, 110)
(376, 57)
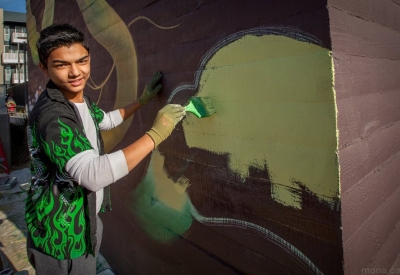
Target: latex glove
(151, 89)
(165, 122)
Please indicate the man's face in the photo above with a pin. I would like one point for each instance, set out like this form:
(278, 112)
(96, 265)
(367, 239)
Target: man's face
(69, 69)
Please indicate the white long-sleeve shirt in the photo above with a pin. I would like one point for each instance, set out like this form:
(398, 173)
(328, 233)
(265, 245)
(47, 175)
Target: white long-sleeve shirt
(89, 169)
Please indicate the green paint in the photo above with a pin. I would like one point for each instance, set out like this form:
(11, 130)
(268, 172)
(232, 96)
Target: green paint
(161, 206)
(275, 104)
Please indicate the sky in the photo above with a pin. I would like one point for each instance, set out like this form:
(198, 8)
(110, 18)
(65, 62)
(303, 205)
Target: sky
(13, 5)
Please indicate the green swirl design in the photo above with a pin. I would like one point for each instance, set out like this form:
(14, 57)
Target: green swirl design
(97, 113)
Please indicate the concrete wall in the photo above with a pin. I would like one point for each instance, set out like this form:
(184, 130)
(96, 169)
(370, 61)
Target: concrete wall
(366, 52)
(253, 189)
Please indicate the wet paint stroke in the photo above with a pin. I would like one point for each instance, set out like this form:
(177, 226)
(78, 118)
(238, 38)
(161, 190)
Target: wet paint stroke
(272, 43)
(160, 205)
(284, 87)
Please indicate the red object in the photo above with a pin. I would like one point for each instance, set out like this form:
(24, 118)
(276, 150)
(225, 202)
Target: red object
(11, 106)
(3, 160)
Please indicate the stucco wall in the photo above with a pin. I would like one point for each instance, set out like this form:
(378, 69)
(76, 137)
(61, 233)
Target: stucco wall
(253, 189)
(366, 53)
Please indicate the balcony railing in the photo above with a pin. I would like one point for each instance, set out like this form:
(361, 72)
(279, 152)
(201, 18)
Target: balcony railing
(19, 37)
(18, 79)
(12, 58)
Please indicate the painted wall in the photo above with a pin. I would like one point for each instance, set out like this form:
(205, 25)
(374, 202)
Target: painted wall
(366, 53)
(253, 189)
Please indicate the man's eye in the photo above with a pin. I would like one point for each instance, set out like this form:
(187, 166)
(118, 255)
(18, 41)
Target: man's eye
(83, 61)
(60, 65)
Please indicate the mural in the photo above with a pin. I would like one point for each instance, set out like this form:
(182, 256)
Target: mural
(253, 189)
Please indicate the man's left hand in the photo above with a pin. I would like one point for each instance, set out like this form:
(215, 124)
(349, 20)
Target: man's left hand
(151, 89)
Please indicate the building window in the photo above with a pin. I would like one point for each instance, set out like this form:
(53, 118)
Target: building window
(20, 29)
(10, 48)
(6, 33)
(7, 75)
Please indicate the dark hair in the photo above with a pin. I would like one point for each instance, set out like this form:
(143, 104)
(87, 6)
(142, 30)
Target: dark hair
(56, 36)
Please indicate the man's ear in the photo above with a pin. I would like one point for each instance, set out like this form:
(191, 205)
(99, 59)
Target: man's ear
(44, 69)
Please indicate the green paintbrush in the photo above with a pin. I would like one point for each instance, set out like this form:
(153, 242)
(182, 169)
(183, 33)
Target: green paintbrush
(200, 107)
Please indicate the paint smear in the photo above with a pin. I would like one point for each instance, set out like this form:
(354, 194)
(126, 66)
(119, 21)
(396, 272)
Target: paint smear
(275, 103)
(161, 206)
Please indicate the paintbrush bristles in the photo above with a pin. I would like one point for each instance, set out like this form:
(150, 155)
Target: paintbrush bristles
(201, 107)
(208, 106)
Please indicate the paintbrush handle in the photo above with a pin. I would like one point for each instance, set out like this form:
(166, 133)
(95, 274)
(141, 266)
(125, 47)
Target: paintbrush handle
(192, 109)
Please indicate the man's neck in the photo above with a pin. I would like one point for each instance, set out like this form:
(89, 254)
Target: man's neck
(75, 98)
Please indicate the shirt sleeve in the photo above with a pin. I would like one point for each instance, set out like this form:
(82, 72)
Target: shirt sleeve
(95, 172)
(110, 120)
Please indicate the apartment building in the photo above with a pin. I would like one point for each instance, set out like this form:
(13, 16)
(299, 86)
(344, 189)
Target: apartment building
(13, 39)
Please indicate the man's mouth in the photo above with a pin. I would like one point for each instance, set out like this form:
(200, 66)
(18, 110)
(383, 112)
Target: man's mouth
(76, 82)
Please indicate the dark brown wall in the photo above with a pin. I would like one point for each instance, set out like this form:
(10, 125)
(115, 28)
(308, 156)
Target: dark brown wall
(314, 229)
(366, 50)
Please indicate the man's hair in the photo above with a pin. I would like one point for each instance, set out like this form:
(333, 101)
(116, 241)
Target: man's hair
(56, 36)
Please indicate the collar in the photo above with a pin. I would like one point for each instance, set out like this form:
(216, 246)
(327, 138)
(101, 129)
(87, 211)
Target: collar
(55, 93)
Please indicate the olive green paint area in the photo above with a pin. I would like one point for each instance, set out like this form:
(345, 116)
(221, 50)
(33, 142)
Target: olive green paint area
(275, 102)
(160, 205)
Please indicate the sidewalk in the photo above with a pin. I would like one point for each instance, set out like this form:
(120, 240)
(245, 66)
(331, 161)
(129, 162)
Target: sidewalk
(13, 229)
(12, 225)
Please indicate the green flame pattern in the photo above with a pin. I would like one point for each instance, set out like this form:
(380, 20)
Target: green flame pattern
(98, 113)
(72, 143)
(55, 209)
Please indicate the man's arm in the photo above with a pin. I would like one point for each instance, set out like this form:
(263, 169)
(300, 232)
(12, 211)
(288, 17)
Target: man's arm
(163, 125)
(129, 109)
(137, 151)
(93, 171)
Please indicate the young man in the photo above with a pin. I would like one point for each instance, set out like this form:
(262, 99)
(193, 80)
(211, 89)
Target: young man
(70, 171)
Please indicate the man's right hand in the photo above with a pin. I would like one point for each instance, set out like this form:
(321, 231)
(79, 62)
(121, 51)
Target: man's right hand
(165, 122)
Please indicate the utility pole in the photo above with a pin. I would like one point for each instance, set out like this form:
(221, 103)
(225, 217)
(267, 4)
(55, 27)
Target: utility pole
(18, 67)
(25, 80)
(25, 42)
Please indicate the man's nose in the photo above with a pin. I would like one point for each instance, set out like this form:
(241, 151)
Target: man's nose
(74, 71)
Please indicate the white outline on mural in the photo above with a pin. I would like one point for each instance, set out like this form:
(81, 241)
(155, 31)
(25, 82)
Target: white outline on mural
(291, 250)
(284, 31)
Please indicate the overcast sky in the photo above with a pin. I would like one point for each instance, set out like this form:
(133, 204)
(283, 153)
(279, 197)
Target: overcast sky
(13, 5)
